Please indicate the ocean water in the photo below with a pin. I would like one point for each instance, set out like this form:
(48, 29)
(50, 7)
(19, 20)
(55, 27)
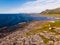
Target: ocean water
(12, 19)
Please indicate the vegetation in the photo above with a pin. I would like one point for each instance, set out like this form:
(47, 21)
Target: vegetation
(45, 27)
(54, 12)
(36, 32)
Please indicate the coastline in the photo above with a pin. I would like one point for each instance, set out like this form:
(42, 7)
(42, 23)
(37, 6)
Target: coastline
(51, 15)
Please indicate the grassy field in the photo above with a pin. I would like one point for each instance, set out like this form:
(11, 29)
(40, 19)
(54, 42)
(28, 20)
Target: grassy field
(54, 15)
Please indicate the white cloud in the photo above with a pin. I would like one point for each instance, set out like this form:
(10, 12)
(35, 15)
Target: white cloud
(36, 6)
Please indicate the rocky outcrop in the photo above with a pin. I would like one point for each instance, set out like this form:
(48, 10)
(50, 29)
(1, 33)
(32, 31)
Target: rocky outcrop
(32, 34)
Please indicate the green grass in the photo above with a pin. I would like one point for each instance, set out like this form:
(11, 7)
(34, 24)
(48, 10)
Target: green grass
(57, 23)
(45, 27)
(46, 40)
(51, 15)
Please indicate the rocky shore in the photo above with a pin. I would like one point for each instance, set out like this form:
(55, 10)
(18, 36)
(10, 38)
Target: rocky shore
(33, 33)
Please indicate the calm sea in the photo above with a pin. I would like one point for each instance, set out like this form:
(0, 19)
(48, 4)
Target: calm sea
(12, 19)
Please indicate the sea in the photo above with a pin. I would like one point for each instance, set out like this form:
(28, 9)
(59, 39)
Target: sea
(13, 19)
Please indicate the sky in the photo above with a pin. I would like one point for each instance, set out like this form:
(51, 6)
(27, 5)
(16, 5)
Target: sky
(27, 6)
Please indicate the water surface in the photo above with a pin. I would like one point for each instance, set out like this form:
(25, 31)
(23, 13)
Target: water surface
(12, 19)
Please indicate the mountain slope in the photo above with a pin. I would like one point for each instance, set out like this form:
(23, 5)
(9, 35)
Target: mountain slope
(53, 12)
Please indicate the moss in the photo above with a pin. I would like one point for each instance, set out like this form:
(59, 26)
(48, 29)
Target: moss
(46, 40)
(27, 34)
(45, 27)
(57, 23)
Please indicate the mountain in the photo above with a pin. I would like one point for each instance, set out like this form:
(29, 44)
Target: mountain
(51, 11)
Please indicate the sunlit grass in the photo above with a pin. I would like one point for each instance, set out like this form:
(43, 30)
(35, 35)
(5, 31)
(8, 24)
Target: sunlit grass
(54, 15)
(46, 40)
(45, 27)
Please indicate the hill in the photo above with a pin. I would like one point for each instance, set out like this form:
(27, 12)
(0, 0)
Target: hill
(53, 12)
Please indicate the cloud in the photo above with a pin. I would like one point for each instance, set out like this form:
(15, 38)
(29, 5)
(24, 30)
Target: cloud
(36, 6)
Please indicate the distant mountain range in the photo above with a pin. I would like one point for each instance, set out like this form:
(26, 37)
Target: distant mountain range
(51, 11)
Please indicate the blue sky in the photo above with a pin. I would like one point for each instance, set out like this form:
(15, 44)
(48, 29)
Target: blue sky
(12, 3)
(27, 6)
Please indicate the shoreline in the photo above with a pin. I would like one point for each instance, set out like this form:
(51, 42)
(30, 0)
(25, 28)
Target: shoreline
(51, 15)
